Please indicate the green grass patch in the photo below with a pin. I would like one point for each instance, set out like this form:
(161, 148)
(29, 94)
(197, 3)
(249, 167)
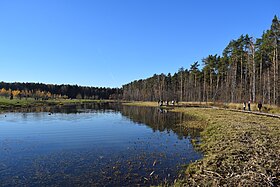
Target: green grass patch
(7, 104)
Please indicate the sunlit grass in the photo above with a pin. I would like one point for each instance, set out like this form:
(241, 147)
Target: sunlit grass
(236, 106)
(7, 103)
(141, 103)
(239, 148)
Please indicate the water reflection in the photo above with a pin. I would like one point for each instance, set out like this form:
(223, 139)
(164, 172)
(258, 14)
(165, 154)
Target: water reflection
(99, 144)
(161, 120)
(71, 108)
(156, 118)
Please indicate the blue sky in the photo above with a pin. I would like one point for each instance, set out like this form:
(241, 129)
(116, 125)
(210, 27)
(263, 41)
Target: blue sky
(109, 43)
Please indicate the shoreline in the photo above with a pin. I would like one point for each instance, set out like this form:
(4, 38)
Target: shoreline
(240, 148)
(15, 104)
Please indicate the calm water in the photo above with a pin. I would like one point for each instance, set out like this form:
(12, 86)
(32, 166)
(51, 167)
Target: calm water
(93, 145)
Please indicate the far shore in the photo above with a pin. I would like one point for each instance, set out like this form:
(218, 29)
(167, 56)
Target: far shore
(8, 105)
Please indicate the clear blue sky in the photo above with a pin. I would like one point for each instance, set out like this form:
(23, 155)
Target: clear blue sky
(113, 42)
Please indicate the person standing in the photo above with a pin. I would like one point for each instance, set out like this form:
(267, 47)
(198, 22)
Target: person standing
(249, 105)
(244, 105)
(260, 106)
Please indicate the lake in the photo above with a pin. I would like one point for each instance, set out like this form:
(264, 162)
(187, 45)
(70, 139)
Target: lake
(99, 144)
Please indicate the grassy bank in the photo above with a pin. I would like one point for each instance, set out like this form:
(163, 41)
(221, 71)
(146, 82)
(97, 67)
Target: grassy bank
(7, 104)
(240, 150)
(236, 106)
(141, 103)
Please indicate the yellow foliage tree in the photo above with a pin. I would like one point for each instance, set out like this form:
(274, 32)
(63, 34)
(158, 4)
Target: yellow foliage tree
(4, 92)
(15, 93)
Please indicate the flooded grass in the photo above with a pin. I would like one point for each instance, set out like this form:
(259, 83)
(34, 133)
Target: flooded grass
(88, 168)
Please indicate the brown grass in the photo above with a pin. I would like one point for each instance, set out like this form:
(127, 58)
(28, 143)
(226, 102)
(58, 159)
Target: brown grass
(240, 150)
(141, 103)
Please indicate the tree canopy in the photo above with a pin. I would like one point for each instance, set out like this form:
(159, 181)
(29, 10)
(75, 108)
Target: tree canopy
(46, 91)
(248, 69)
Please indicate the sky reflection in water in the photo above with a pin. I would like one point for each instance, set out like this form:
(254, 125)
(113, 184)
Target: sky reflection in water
(99, 144)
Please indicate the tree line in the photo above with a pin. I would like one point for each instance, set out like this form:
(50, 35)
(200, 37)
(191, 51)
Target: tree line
(248, 69)
(53, 91)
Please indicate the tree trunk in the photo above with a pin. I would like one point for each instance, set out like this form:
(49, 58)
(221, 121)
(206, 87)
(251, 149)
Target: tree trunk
(268, 85)
(254, 74)
(204, 87)
(233, 87)
(261, 91)
(181, 98)
(277, 77)
(241, 78)
(211, 84)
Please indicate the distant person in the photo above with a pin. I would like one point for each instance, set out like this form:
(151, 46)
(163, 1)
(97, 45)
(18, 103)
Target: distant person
(244, 105)
(161, 103)
(172, 102)
(161, 110)
(249, 105)
(260, 106)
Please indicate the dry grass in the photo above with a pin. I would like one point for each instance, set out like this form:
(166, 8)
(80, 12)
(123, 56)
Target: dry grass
(238, 106)
(240, 150)
(141, 103)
